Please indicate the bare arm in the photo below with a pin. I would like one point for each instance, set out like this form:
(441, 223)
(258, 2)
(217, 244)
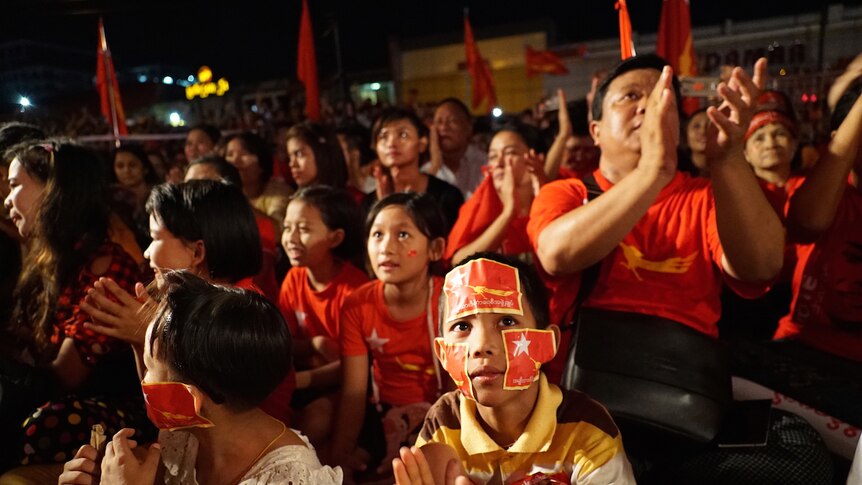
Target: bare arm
(813, 207)
(750, 232)
(558, 148)
(587, 234)
(351, 410)
(323, 376)
(69, 367)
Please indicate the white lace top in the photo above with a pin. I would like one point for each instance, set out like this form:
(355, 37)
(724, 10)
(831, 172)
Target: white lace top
(287, 465)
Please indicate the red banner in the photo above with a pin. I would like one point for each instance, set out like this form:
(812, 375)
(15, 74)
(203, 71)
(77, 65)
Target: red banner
(627, 47)
(544, 62)
(109, 90)
(306, 65)
(483, 84)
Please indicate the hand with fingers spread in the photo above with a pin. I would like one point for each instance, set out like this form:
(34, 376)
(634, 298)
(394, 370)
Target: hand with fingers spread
(725, 135)
(83, 469)
(535, 167)
(412, 468)
(435, 152)
(123, 466)
(659, 131)
(115, 312)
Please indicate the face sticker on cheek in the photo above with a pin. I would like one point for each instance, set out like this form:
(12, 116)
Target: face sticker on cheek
(412, 253)
(526, 351)
(171, 405)
(454, 360)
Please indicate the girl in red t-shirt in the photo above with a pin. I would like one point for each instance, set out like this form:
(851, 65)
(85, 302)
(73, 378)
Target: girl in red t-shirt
(395, 320)
(323, 240)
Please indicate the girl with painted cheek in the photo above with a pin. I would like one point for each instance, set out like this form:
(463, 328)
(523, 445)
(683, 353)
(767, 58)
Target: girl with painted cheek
(323, 239)
(205, 379)
(394, 319)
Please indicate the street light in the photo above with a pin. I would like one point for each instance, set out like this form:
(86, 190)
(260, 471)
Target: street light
(24, 101)
(497, 112)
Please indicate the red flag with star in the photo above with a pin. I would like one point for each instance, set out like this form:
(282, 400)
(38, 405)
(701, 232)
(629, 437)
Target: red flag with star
(526, 351)
(454, 360)
(482, 286)
(170, 405)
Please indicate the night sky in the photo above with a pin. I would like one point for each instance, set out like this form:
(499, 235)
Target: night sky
(253, 40)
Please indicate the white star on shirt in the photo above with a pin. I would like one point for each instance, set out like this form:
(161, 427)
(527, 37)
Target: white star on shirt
(374, 341)
(521, 346)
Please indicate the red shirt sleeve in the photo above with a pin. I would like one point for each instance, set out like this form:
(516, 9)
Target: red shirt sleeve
(355, 312)
(287, 302)
(554, 200)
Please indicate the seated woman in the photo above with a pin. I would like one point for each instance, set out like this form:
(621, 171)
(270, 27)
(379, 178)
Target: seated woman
(495, 217)
(135, 176)
(58, 203)
(212, 355)
(316, 158)
(253, 158)
(401, 141)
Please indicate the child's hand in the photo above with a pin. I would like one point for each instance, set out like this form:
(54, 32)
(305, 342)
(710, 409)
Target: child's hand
(81, 470)
(413, 469)
(122, 466)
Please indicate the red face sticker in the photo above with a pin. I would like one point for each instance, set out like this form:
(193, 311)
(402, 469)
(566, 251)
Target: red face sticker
(171, 405)
(526, 351)
(454, 360)
(482, 286)
(412, 253)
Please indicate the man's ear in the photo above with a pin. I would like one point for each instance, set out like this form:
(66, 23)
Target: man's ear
(557, 335)
(595, 130)
(436, 248)
(423, 144)
(336, 237)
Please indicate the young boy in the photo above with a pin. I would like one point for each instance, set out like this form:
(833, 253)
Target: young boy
(506, 423)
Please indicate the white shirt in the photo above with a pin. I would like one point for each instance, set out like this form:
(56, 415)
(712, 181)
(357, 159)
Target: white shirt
(469, 174)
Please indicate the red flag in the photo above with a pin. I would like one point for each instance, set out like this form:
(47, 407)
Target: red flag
(627, 47)
(171, 405)
(306, 65)
(675, 43)
(544, 62)
(483, 83)
(526, 351)
(109, 90)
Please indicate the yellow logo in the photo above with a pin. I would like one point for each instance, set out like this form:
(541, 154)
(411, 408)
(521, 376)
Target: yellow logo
(635, 261)
(481, 290)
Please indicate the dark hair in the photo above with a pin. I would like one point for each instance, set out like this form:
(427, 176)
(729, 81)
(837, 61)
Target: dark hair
(331, 167)
(531, 136)
(845, 103)
(531, 286)
(422, 208)
(233, 344)
(458, 104)
(647, 61)
(356, 137)
(338, 211)
(70, 224)
(391, 115)
(259, 148)
(13, 133)
(217, 214)
(226, 171)
(150, 177)
(210, 131)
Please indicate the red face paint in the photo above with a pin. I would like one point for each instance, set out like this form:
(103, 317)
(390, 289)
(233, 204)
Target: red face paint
(171, 405)
(526, 351)
(412, 253)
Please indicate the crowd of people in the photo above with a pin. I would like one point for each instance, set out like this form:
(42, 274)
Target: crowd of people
(417, 298)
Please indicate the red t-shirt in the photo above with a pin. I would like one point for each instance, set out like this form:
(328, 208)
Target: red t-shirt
(668, 265)
(479, 212)
(401, 352)
(826, 311)
(310, 313)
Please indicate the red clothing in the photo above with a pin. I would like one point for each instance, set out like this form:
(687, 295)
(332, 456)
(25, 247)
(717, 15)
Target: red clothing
(479, 212)
(310, 313)
(69, 318)
(668, 265)
(269, 239)
(401, 352)
(826, 311)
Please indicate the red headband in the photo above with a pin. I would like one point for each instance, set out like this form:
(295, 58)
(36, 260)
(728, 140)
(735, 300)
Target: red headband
(764, 118)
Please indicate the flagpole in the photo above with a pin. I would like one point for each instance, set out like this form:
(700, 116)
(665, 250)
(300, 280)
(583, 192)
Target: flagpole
(109, 68)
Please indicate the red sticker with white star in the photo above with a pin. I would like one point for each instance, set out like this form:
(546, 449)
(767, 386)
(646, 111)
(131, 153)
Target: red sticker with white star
(482, 286)
(171, 405)
(454, 360)
(526, 351)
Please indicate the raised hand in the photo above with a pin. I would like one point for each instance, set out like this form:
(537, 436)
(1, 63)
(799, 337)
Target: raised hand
(536, 168)
(123, 466)
(659, 132)
(412, 468)
(435, 152)
(725, 135)
(116, 317)
(385, 185)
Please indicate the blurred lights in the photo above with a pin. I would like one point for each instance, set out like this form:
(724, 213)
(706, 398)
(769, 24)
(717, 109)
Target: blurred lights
(167, 80)
(175, 119)
(142, 78)
(24, 101)
(783, 72)
(375, 86)
(497, 112)
(191, 79)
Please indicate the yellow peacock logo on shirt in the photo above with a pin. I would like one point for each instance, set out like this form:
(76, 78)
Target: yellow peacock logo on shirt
(634, 260)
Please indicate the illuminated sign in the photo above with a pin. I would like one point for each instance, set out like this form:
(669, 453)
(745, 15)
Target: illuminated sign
(205, 85)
